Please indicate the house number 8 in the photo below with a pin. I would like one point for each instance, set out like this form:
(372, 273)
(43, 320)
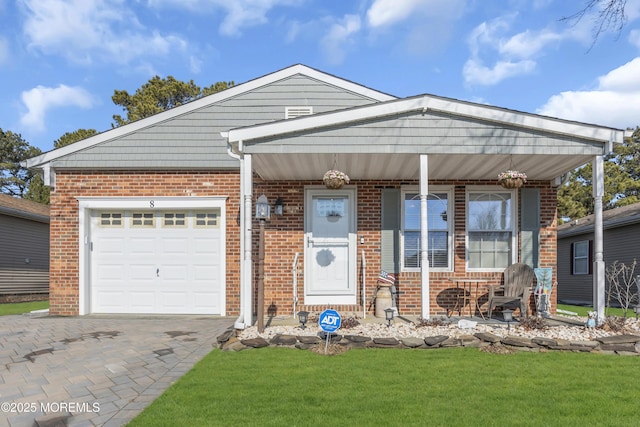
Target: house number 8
(151, 204)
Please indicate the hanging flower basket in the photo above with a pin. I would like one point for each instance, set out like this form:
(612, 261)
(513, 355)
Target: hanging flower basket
(512, 179)
(334, 179)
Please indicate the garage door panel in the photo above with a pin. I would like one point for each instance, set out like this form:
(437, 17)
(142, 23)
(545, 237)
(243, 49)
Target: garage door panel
(156, 268)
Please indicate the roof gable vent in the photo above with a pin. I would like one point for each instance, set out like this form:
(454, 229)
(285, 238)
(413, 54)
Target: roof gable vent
(293, 112)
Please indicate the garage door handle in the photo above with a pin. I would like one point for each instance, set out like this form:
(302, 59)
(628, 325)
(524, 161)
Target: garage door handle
(157, 272)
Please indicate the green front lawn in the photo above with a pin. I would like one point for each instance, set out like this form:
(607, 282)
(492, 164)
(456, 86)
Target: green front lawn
(373, 387)
(22, 307)
(582, 310)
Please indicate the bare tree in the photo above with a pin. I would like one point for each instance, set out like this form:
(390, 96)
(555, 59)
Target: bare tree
(622, 285)
(611, 16)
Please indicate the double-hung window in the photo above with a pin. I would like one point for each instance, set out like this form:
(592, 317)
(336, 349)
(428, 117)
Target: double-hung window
(581, 252)
(491, 229)
(439, 225)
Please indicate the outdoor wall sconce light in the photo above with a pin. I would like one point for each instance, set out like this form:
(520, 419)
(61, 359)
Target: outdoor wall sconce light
(388, 315)
(278, 207)
(303, 317)
(507, 315)
(263, 210)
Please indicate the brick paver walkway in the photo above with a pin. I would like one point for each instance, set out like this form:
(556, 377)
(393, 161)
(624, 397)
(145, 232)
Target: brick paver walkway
(102, 371)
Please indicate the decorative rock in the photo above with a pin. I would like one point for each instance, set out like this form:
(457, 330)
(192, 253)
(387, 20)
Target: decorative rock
(412, 342)
(226, 335)
(589, 345)
(518, 342)
(255, 342)
(469, 341)
(619, 339)
(451, 342)
(623, 347)
(284, 340)
(546, 342)
(386, 341)
(358, 338)
(487, 336)
(435, 341)
(233, 344)
(306, 339)
(332, 337)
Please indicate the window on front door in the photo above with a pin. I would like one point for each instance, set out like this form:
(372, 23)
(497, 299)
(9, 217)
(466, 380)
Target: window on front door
(491, 229)
(439, 223)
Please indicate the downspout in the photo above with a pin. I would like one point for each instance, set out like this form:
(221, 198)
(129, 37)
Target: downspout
(239, 323)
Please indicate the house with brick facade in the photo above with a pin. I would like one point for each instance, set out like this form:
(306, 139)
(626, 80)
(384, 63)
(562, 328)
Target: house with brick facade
(159, 216)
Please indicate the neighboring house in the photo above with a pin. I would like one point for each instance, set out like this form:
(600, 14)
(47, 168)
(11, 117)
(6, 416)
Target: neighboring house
(158, 216)
(24, 251)
(575, 250)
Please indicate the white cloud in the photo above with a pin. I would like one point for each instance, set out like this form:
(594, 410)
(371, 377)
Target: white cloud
(476, 72)
(387, 12)
(337, 40)
(614, 102)
(41, 99)
(511, 55)
(240, 14)
(88, 30)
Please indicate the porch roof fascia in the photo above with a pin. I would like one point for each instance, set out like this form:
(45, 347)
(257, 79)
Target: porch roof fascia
(240, 138)
(109, 135)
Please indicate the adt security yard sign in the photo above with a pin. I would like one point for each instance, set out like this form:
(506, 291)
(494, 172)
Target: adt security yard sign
(329, 320)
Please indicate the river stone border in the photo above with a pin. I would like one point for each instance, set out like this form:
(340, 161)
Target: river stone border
(616, 344)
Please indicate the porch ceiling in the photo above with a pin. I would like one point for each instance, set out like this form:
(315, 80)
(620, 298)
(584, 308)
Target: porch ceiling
(401, 166)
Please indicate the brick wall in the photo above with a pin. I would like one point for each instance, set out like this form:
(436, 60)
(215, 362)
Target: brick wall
(284, 236)
(64, 278)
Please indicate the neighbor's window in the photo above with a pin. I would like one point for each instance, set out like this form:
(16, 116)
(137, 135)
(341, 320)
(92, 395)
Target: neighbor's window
(490, 229)
(439, 223)
(581, 257)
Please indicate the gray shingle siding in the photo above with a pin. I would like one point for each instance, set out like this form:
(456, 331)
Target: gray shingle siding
(193, 139)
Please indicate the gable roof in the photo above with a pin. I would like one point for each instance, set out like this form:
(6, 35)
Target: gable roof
(464, 140)
(22, 208)
(46, 158)
(611, 218)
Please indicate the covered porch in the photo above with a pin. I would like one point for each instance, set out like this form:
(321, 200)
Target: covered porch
(423, 186)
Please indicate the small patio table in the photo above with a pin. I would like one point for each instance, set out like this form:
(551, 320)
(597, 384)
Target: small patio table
(470, 294)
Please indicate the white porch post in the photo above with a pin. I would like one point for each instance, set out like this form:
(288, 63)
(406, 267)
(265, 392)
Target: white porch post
(424, 236)
(246, 217)
(598, 258)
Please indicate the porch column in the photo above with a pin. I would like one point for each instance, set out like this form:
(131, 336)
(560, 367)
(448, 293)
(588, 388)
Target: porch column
(246, 217)
(598, 257)
(424, 237)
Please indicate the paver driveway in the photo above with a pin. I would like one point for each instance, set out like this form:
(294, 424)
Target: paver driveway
(101, 370)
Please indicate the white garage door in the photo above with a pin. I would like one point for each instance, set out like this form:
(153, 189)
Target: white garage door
(160, 262)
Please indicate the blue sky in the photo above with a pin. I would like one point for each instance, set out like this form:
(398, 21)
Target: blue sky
(60, 61)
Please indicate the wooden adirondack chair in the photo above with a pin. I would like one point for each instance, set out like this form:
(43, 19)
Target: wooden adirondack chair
(515, 290)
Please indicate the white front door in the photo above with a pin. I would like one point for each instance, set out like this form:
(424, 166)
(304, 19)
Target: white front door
(330, 249)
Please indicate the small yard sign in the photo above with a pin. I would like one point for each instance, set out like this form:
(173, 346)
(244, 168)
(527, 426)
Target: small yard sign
(330, 320)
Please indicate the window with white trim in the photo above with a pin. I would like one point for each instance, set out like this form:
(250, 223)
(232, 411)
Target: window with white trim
(581, 257)
(174, 219)
(439, 225)
(206, 220)
(491, 229)
(142, 220)
(111, 219)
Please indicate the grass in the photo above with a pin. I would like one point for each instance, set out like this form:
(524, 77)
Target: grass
(22, 307)
(582, 310)
(444, 387)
